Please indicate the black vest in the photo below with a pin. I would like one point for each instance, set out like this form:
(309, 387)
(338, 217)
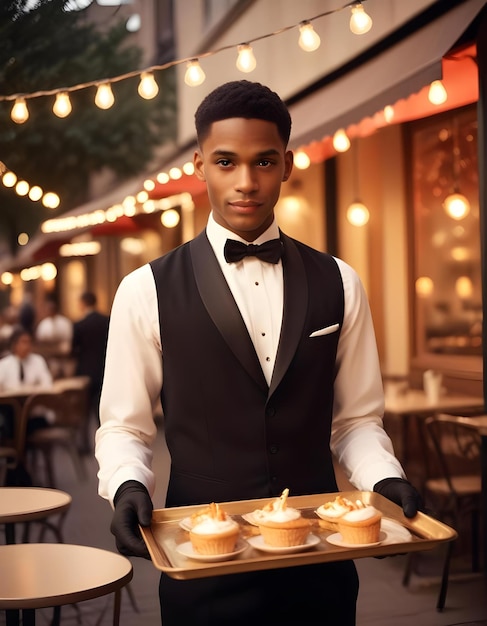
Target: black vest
(230, 435)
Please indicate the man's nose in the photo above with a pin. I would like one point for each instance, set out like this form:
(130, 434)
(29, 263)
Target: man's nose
(246, 180)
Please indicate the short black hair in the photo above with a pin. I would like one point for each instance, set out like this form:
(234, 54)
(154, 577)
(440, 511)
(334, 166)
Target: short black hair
(242, 98)
(89, 298)
(18, 332)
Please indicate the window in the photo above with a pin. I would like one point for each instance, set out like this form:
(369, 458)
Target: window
(446, 268)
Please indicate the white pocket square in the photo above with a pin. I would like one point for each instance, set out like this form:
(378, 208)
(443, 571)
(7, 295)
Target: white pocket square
(325, 331)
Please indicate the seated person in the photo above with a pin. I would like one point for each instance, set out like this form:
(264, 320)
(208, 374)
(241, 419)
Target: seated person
(23, 368)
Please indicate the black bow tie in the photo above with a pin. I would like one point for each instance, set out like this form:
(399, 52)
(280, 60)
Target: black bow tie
(269, 251)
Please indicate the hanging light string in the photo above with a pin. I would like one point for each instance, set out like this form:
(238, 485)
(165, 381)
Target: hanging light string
(309, 41)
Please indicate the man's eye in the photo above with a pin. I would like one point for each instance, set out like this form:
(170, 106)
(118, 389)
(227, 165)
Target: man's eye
(224, 162)
(264, 163)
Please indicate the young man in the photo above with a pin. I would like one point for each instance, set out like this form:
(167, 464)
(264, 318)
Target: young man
(264, 365)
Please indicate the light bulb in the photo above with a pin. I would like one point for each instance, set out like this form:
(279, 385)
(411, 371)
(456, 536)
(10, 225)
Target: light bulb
(22, 188)
(62, 107)
(50, 200)
(301, 160)
(104, 97)
(437, 92)
(9, 179)
(309, 39)
(194, 74)
(20, 112)
(457, 206)
(148, 87)
(341, 142)
(246, 60)
(170, 218)
(35, 193)
(388, 113)
(358, 214)
(360, 21)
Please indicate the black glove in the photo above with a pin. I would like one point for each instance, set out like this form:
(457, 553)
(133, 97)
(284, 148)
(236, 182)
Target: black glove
(133, 506)
(401, 492)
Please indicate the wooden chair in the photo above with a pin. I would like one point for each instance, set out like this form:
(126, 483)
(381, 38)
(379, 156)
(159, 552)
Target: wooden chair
(452, 489)
(67, 407)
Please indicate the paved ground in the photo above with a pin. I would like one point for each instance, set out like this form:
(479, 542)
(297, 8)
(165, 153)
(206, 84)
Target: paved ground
(383, 600)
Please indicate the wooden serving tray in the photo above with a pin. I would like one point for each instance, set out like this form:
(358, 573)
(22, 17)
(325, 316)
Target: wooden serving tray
(165, 535)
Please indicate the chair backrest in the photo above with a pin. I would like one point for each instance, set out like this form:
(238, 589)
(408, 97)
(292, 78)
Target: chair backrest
(456, 446)
(12, 435)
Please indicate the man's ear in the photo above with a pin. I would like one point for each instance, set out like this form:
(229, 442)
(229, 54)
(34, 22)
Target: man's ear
(199, 168)
(288, 165)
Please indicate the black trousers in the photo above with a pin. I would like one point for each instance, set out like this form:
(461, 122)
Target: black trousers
(307, 595)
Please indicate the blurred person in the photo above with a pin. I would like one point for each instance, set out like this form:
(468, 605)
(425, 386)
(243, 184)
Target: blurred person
(27, 313)
(56, 330)
(263, 353)
(88, 348)
(9, 318)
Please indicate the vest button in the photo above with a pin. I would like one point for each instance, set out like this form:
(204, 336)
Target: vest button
(270, 411)
(273, 449)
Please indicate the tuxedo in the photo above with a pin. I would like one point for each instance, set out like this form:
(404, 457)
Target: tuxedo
(232, 436)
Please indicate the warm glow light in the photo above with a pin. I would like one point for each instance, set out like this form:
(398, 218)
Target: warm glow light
(62, 107)
(80, 248)
(142, 196)
(194, 74)
(188, 168)
(130, 245)
(20, 112)
(170, 218)
(358, 214)
(388, 113)
(149, 206)
(9, 179)
(23, 239)
(464, 287)
(301, 160)
(7, 278)
(437, 93)
(149, 184)
(360, 21)
(35, 193)
(424, 286)
(104, 96)
(309, 40)
(22, 188)
(341, 142)
(246, 60)
(175, 173)
(50, 200)
(162, 178)
(457, 206)
(48, 271)
(148, 87)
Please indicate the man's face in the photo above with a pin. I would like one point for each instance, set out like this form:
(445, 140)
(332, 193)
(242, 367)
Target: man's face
(243, 163)
(23, 346)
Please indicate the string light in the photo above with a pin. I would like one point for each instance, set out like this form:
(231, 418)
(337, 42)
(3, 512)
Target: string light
(388, 113)
(148, 87)
(437, 93)
(358, 214)
(360, 21)
(62, 106)
(20, 112)
(35, 193)
(51, 200)
(301, 160)
(341, 142)
(309, 40)
(104, 96)
(22, 188)
(9, 179)
(246, 60)
(194, 74)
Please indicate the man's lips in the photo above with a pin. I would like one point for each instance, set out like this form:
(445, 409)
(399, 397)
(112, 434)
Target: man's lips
(244, 204)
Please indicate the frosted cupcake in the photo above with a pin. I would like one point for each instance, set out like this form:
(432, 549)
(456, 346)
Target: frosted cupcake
(281, 525)
(361, 525)
(213, 531)
(330, 512)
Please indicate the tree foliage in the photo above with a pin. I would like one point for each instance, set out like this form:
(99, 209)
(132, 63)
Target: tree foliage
(50, 48)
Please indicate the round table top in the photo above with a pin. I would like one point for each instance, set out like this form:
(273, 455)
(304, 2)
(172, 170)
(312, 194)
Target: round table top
(23, 504)
(39, 575)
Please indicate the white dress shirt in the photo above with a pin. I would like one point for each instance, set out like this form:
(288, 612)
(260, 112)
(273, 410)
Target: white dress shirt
(133, 370)
(36, 372)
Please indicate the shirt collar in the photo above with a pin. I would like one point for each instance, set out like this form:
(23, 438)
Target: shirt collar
(217, 236)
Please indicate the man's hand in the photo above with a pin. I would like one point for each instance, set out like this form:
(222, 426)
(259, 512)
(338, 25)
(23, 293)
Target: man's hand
(401, 492)
(133, 506)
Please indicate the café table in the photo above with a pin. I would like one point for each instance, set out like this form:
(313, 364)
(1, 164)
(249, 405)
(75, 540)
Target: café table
(22, 392)
(28, 504)
(41, 575)
(410, 405)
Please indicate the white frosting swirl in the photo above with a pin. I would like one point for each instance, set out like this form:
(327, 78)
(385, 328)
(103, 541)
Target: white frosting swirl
(211, 526)
(359, 515)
